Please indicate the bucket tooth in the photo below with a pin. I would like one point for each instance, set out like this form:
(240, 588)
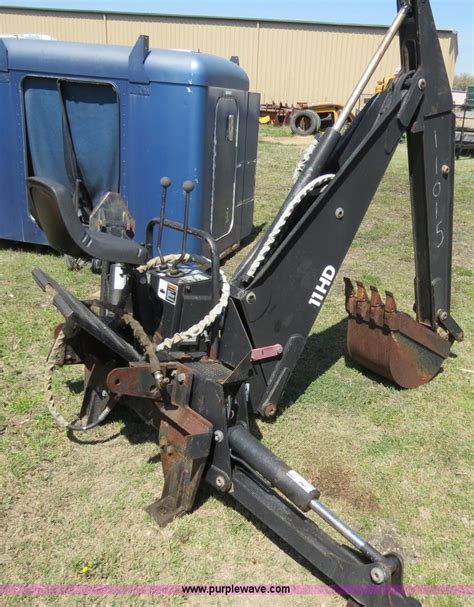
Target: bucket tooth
(361, 302)
(361, 294)
(390, 303)
(348, 288)
(376, 306)
(349, 295)
(375, 299)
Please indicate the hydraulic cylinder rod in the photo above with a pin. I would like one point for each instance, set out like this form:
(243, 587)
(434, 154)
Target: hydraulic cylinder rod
(351, 536)
(292, 485)
(369, 72)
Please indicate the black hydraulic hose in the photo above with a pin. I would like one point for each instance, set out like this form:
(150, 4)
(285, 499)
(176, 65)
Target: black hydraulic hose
(317, 162)
(76, 428)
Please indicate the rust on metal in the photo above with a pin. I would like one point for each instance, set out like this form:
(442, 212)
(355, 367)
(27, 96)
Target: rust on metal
(139, 380)
(270, 410)
(58, 329)
(185, 442)
(136, 380)
(279, 114)
(391, 343)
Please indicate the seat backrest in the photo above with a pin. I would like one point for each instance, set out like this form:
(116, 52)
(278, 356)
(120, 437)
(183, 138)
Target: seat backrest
(52, 207)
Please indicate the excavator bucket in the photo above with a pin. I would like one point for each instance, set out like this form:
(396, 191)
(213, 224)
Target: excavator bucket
(391, 343)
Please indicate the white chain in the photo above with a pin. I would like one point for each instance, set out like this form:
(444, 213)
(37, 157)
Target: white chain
(304, 159)
(270, 239)
(199, 328)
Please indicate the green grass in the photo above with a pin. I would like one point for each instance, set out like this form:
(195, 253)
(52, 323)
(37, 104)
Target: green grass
(396, 464)
(268, 130)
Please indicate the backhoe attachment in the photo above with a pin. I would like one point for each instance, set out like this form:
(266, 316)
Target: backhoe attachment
(198, 357)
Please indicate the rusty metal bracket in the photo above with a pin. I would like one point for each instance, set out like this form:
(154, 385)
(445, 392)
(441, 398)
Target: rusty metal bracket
(266, 353)
(136, 380)
(185, 442)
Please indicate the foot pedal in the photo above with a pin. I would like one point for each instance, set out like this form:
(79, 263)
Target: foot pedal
(75, 311)
(391, 343)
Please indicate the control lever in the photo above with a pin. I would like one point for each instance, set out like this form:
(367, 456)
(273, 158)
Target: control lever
(188, 187)
(165, 184)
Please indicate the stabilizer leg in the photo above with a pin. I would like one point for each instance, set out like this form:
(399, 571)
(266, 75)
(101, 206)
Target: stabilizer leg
(349, 571)
(365, 575)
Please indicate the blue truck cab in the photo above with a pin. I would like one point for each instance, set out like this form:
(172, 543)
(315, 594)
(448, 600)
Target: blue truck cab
(134, 115)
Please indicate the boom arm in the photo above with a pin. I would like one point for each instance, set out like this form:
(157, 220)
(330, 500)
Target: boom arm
(279, 297)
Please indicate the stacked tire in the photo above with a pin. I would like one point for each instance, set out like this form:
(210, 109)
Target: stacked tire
(305, 122)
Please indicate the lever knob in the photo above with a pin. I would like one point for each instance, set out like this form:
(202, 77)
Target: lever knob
(165, 182)
(188, 186)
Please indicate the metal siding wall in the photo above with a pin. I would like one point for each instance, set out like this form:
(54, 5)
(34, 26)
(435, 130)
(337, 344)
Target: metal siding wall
(287, 62)
(319, 63)
(449, 49)
(315, 62)
(75, 27)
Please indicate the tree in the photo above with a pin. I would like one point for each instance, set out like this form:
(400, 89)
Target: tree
(462, 81)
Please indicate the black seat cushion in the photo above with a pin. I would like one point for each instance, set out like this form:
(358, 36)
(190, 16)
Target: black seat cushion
(52, 206)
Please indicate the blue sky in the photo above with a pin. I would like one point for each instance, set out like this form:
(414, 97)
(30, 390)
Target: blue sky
(451, 14)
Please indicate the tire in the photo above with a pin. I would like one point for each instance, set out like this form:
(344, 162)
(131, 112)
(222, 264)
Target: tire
(305, 122)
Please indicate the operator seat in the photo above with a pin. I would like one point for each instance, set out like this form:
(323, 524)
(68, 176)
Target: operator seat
(52, 207)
